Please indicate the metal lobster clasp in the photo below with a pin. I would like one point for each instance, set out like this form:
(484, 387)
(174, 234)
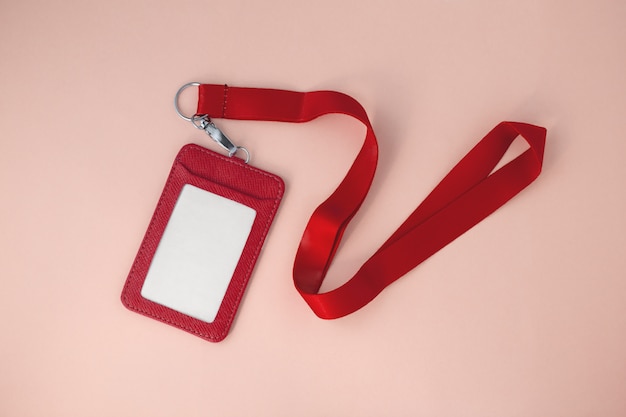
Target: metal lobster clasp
(204, 122)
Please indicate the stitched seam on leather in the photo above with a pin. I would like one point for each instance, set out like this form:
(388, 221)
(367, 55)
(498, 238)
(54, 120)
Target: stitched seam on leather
(250, 265)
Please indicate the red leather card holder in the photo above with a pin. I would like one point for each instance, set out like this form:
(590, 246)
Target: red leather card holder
(203, 241)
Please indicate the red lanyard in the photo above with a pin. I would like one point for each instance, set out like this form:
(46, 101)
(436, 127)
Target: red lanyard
(469, 193)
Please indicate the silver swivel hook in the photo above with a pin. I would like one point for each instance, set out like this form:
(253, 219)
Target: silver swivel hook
(204, 122)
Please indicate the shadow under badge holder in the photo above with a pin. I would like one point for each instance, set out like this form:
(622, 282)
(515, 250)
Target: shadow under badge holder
(205, 236)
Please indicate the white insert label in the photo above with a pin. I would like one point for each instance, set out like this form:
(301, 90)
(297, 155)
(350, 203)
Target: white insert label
(198, 253)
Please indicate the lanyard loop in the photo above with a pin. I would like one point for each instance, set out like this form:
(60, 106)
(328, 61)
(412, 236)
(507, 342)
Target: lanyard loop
(468, 193)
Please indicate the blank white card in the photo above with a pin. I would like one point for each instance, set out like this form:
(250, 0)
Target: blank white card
(198, 253)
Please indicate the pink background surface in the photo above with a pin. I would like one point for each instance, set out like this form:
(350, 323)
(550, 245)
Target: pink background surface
(525, 315)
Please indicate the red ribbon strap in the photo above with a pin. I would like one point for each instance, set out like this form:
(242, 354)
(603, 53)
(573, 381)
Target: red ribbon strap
(469, 193)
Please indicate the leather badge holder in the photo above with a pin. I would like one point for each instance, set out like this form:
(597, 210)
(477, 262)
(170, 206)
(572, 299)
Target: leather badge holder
(202, 243)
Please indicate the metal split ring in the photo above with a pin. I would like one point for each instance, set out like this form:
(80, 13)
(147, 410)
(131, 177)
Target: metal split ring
(177, 96)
